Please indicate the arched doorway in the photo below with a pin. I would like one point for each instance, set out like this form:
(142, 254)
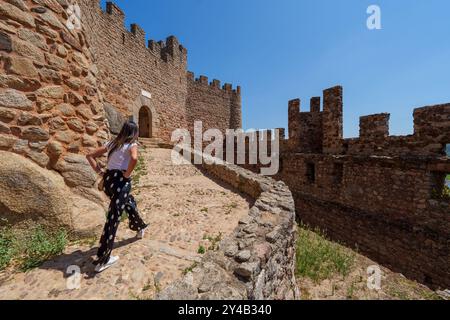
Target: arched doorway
(145, 123)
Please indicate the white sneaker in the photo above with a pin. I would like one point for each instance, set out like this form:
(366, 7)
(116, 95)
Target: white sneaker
(141, 234)
(112, 260)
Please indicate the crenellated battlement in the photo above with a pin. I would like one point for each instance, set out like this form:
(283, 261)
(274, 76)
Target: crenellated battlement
(215, 84)
(169, 51)
(319, 131)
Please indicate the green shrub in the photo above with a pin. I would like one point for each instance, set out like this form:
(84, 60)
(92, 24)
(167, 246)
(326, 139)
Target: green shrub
(201, 250)
(214, 240)
(320, 259)
(30, 248)
(41, 245)
(190, 269)
(7, 249)
(446, 192)
(140, 170)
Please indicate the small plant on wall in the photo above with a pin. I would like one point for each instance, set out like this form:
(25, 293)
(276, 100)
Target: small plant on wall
(441, 186)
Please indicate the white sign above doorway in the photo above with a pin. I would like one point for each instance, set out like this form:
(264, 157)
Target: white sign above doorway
(146, 94)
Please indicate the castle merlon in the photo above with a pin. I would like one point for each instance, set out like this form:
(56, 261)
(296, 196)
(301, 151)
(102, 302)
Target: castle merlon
(374, 126)
(138, 32)
(315, 104)
(204, 81)
(322, 131)
(433, 121)
(114, 10)
(168, 50)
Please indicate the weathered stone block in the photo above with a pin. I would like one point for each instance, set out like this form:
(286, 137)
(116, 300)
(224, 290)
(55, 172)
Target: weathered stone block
(32, 37)
(19, 4)
(91, 127)
(30, 51)
(66, 110)
(50, 19)
(53, 5)
(76, 171)
(35, 134)
(55, 149)
(4, 128)
(50, 75)
(30, 193)
(76, 125)
(28, 119)
(19, 83)
(243, 256)
(52, 92)
(7, 115)
(65, 136)
(57, 124)
(16, 14)
(5, 42)
(71, 40)
(56, 62)
(39, 157)
(89, 141)
(247, 270)
(15, 99)
(21, 66)
(85, 112)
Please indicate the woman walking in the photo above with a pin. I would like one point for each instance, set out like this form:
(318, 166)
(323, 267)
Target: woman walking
(122, 159)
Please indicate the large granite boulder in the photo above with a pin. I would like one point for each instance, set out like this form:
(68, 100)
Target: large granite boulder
(115, 118)
(30, 194)
(76, 171)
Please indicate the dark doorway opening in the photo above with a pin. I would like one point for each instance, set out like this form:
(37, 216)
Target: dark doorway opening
(145, 123)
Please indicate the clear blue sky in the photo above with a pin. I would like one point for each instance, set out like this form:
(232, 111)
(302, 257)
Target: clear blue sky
(279, 50)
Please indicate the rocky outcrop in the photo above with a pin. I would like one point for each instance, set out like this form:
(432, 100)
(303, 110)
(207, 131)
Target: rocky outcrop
(257, 261)
(31, 194)
(115, 118)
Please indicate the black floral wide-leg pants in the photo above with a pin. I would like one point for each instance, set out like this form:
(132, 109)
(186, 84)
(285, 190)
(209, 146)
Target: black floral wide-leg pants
(118, 189)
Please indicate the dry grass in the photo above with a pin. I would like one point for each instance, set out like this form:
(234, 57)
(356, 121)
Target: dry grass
(329, 271)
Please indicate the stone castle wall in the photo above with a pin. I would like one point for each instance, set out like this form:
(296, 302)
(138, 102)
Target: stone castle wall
(127, 65)
(206, 100)
(50, 105)
(379, 193)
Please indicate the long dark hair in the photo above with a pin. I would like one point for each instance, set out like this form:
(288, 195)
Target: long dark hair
(128, 134)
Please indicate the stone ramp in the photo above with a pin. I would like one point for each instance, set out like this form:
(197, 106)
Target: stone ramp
(144, 267)
(181, 205)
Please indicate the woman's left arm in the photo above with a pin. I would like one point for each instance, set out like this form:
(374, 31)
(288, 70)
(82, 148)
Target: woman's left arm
(92, 157)
(133, 161)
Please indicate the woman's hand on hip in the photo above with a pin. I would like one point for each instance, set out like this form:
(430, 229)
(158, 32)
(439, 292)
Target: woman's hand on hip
(126, 175)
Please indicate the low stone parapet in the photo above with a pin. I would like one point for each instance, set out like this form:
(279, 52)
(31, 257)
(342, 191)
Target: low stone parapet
(257, 261)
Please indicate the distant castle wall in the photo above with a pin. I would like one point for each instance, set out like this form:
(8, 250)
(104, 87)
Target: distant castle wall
(217, 106)
(127, 65)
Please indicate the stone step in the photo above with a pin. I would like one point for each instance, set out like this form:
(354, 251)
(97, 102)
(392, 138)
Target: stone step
(154, 143)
